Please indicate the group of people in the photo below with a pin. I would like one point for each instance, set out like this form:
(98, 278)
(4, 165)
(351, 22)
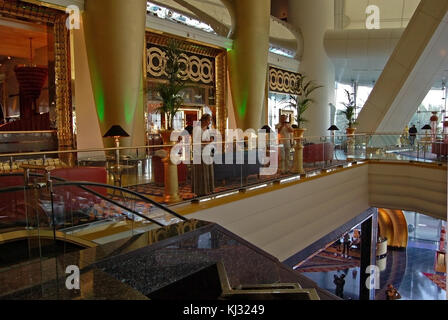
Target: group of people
(203, 174)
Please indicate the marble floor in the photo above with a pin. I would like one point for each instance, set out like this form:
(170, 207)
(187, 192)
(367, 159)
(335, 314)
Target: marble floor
(404, 270)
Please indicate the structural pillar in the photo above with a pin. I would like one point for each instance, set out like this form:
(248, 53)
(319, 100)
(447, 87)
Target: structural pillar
(314, 18)
(369, 231)
(249, 61)
(115, 32)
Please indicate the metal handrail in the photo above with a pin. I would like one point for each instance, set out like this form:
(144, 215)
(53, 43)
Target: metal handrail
(82, 184)
(22, 188)
(138, 195)
(5, 155)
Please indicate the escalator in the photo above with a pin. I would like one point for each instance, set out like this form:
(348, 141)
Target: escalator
(127, 246)
(70, 216)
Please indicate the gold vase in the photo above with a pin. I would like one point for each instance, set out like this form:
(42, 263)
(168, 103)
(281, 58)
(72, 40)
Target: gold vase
(351, 131)
(166, 136)
(298, 133)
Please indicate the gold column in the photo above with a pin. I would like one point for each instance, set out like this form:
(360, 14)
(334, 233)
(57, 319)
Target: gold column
(63, 84)
(221, 86)
(115, 32)
(249, 60)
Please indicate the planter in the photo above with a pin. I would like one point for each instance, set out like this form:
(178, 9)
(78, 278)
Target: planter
(166, 136)
(298, 133)
(350, 131)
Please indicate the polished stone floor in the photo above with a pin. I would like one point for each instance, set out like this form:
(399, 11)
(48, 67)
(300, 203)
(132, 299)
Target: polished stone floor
(404, 270)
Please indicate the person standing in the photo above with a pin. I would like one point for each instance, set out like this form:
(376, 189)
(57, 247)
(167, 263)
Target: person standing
(340, 283)
(392, 293)
(203, 177)
(412, 134)
(285, 132)
(347, 243)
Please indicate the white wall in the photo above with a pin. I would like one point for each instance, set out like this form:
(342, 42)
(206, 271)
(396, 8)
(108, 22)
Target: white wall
(286, 221)
(409, 187)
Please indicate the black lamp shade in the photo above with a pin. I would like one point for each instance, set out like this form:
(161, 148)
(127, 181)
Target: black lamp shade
(333, 128)
(267, 128)
(427, 127)
(116, 131)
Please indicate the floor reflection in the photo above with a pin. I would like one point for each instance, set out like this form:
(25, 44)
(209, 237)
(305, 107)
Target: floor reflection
(404, 270)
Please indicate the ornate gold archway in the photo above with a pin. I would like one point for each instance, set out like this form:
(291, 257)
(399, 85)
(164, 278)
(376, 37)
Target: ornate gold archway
(63, 95)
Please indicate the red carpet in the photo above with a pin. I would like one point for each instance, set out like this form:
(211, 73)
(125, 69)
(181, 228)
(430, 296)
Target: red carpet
(439, 280)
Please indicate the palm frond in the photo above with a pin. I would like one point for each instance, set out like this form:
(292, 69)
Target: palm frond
(301, 99)
(169, 91)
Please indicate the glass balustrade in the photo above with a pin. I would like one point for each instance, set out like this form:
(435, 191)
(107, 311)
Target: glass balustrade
(235, 166)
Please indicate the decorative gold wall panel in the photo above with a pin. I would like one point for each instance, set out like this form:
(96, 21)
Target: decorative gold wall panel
(282, 81)
(63, 84)
(221, 90)
(194, 68)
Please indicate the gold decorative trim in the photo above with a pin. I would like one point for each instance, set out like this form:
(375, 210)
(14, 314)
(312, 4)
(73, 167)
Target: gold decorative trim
(45, 234)
(221, 89)
(63, 83)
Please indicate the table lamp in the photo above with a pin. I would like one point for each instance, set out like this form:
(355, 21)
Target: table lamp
(426, 128)
(116, 132)
(333, 128)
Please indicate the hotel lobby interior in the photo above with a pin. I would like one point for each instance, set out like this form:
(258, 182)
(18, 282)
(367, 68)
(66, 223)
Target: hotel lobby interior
(232, 150)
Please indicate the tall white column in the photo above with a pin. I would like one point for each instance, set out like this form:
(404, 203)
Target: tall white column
(314, 18)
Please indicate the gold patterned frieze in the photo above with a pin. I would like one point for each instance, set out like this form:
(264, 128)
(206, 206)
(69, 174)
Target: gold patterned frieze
(194, 68)
(282, 81)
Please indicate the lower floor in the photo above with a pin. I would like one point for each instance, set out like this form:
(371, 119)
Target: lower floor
(411, 270)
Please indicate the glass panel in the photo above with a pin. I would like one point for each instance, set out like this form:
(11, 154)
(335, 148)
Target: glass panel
(427, 228)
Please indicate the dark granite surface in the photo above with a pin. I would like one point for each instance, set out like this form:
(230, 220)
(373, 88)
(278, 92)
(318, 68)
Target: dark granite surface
(94, 285)
(39, 272)
(134, 267)
(151, 268)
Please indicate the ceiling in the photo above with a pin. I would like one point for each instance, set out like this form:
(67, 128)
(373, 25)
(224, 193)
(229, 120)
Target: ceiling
(394, 16)
(393, 13)
(210, 11)
(15, 38)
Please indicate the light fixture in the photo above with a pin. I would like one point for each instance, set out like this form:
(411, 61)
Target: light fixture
(426, 127)
(116, 132)
(333, 128)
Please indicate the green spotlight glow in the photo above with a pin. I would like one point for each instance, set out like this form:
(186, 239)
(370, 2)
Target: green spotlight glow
(243, 107)
(99, 98)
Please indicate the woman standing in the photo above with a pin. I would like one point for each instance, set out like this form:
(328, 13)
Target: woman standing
(203, 177)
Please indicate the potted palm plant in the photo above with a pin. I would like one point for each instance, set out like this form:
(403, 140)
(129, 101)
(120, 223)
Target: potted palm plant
(169, 91)
(349, 112)
(301, 100)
